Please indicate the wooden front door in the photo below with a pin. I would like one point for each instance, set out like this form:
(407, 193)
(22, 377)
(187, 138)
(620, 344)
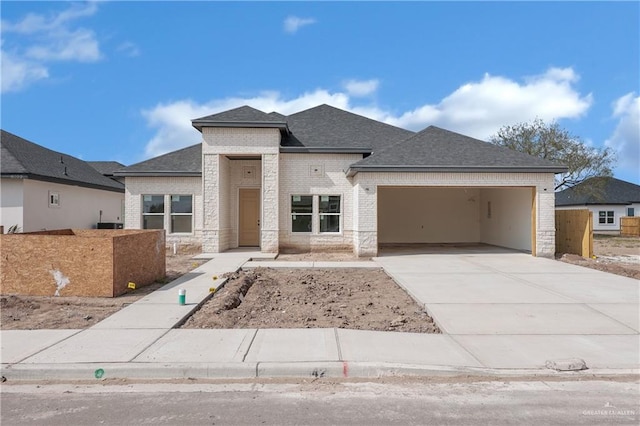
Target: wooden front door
(249, 222)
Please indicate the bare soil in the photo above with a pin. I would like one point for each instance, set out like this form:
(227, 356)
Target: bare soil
(613, 254)
(266, 298)
(361, 299)
(70, 312)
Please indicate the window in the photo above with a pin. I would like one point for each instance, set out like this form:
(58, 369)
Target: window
(54, 199)
(153, 212)
(631, 211)
(181, 213)
(315, 213)
(301, 213)
(329, 209)
(605, 217)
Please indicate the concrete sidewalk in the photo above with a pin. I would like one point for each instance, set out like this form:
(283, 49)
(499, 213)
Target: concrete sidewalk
(502, 313)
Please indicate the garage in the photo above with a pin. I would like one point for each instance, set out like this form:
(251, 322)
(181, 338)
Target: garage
(500, 216)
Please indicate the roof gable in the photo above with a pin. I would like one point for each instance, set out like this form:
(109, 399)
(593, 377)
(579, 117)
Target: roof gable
(599, 190)
(183, 162)
(438, 149)
(25, 159)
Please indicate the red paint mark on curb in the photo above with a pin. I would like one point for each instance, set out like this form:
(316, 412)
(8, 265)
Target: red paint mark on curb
(345, 369)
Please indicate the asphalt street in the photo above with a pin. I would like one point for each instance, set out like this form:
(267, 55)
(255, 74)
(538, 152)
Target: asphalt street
(394, 402)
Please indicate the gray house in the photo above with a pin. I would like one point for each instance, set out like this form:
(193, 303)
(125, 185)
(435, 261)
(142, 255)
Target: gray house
(325, 178)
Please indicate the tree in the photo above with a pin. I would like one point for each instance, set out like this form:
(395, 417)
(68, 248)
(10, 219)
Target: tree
(551, 142)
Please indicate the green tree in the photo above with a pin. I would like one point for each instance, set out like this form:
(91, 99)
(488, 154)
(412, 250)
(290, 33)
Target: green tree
(553, 143)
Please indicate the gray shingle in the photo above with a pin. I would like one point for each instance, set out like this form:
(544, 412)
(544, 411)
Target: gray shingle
(439, 149)
(106, 168)
(183, 162)
(328, 127)
(244, 116)
(24, 159)
(599, 190)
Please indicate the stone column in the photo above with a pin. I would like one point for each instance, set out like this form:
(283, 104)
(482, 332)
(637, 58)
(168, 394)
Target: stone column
(211, 203)
(545, 222)
(365, 223)
(269, 225)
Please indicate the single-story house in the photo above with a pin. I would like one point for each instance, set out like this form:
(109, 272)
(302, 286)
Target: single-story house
(41, 189)
(325, 178)
(607, 198)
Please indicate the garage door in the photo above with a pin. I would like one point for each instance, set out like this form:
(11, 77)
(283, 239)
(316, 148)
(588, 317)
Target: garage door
(496, 216)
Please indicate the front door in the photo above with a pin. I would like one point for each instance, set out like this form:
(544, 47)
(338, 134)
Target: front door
(249, 223)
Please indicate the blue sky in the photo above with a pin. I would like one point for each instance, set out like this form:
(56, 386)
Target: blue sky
(122, 80)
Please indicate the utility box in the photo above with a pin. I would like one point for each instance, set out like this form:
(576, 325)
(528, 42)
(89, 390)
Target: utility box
(110, 225)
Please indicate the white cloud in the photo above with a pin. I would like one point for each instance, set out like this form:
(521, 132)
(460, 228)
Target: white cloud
(38, 40)
(361, 87)
(480, 108)
(477, 109)
(80, 45)
(293, 23)
(625, 139)
(129, 49)
(34, 23)
(18, 73)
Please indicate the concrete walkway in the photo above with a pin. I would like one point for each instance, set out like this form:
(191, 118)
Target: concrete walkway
(502, 313)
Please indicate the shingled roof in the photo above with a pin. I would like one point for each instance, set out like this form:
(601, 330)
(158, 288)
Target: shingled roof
(183, 162)
(244, 116)
(599, 190)
(436, 149)
(23, 159)
(106, 168)
(329, 128)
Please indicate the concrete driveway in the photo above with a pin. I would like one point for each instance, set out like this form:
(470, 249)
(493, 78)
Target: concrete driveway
(496, 302)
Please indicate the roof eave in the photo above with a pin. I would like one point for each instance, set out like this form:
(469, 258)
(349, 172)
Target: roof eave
(353, 170)
(153, 173)
(68, 182)
(283, 126)
(324, 150)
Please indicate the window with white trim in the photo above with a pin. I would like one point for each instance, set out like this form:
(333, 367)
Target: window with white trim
(181, 214)
(301, 213)
(329, 211)
(316, 214)
(153, 212)
(605, 217)
(631, 211)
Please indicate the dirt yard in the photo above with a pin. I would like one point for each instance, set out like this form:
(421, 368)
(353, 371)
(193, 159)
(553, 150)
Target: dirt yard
(614, 254)
(362, 299)
(49, 312)
(349, 298)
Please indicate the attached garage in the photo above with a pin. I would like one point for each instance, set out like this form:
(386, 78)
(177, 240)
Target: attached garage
(440, 187)
(416, 214)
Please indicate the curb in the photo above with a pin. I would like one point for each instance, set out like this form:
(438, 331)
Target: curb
(257, 370)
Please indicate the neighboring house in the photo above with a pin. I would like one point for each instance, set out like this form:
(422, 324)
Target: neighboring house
(43, 189)
(325, 178)
(608, 198)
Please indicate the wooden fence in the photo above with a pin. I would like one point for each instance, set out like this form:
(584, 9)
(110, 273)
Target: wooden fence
(574, 232)
(630, 226)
